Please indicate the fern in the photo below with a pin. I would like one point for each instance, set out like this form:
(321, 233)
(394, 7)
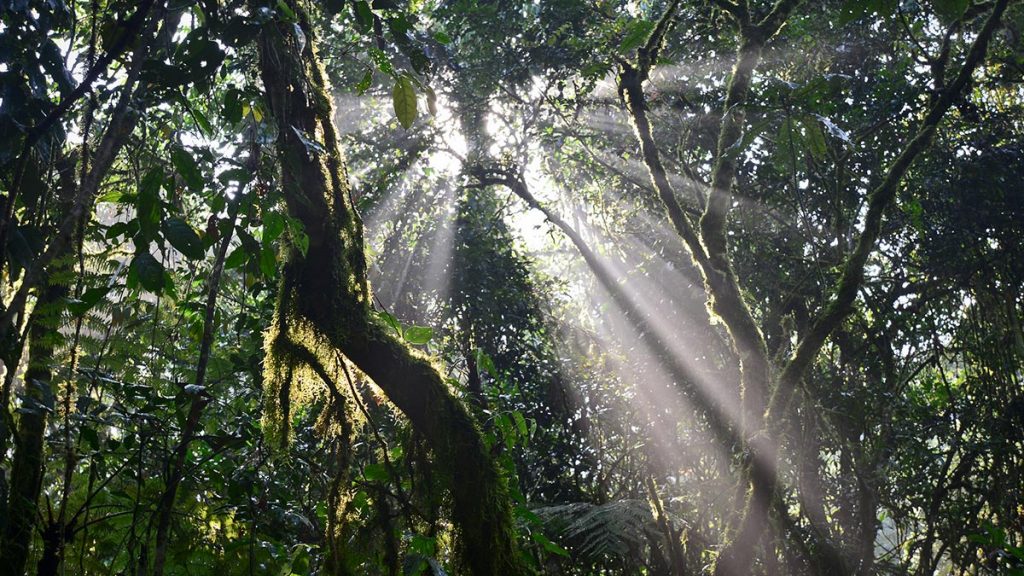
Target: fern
(594, 532)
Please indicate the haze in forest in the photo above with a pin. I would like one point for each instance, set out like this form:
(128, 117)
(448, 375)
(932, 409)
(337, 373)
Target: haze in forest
(512, 287)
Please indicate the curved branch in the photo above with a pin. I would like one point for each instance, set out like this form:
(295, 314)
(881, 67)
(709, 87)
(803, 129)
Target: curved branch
(878, 201)
(131, 29)
(714, 410)
(324, 294)
(123, 121)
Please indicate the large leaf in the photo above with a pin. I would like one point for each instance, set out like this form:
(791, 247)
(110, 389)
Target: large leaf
(404, 97)
(273, 226)
(199, 56)
(146, 271)
(233, 106)
(236, 259)
(88, 299)
(418, 335)
(183, 238)
(364, 16)
(364, 84)
(187, 167)
(814, 138)
(636, 35)
(268, 261)
(147, 202)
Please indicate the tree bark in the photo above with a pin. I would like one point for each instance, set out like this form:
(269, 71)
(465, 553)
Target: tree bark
(176, 468)
(709, 249)
(27, 468)
(324, 299)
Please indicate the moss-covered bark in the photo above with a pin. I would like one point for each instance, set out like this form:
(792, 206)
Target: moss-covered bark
(27, 470)
(38, 396)
(324, 300)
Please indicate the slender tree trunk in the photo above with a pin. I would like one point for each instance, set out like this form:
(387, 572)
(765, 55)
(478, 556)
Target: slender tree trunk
(201, 398)
(27, 469)
(709, 250)
(673, 547)
(38, 402)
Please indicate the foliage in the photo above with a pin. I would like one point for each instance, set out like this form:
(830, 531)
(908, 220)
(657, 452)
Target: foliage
(446, 287)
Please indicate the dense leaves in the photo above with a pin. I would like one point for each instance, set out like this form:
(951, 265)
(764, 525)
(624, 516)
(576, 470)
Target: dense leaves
(534, 190)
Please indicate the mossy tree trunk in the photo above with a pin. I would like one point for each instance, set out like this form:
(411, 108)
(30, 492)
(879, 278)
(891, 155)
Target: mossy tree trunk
(27, 467)
(325, 306)
(39, 393)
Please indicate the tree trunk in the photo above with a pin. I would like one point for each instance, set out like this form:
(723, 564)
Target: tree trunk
(324, 300)
(27, 469)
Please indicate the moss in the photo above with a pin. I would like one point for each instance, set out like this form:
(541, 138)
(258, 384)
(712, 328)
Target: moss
(323, 308)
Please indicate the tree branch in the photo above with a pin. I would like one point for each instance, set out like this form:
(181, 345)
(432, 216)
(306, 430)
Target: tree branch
(878, 201)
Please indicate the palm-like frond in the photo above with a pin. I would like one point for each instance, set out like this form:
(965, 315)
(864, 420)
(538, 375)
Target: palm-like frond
(593, 531)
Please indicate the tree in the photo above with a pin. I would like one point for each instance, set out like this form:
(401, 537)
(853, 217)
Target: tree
(668, 288)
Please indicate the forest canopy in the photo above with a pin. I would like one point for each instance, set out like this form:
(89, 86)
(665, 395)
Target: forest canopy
(512, 287)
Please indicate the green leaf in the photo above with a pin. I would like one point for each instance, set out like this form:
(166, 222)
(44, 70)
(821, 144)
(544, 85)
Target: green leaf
(273, 226)
(233, 106)
(364, 16)
(391, 321)
(187, 167)
(184, 238)
(126, 228)
(442, 37)
(91, 437)
(548, 545)
(786, 143)
(418, 335)
(950, 10)
(484, 362)
(203, 122)
(404, 98)
(636, 35)
(198, 57)
(504, 425)
(87, 300)
(147, 271)
(380, 59)
(147, 202)
(364, 84)
(376, 472)
(520, 421)
(422, 545)
(814, 137)
(915, 212)
(268, 261)
(288, 15)
(113, 196)
(236, 259)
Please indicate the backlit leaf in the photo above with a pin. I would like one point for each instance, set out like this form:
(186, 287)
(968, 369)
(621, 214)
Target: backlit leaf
(404, 98)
